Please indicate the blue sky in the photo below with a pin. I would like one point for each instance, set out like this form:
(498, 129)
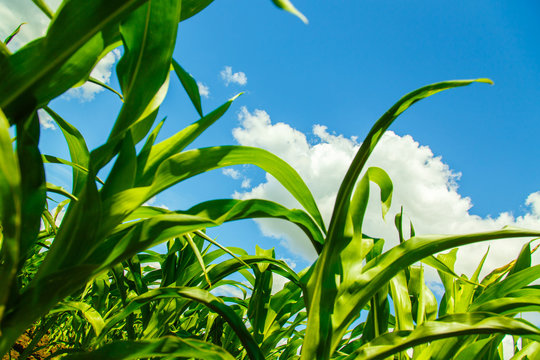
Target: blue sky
(341, 72)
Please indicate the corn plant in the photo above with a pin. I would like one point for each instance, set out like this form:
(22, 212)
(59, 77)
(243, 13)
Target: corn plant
(102, 226)
(84, 280)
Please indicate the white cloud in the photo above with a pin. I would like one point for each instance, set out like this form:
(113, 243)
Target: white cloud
(203, 89)
(228, 76)
(246, 183)
(45, 120)
(228, 290)
(102, 72)
(423, 184)
(13, 13)
(235, 174)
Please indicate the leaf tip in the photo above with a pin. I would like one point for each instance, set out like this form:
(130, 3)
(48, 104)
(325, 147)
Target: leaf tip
(288, 6)
(485, 81)
(236, 96)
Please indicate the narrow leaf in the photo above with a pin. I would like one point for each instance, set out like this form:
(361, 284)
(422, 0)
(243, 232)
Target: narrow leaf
(168, 346)
(190, 85)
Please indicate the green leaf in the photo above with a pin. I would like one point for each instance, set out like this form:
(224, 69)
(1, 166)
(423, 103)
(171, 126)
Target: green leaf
(448, 300)
(324, 283)
(10, 213)
(528, 352)
(133, 237)
(449, 326)
(4, 53)
(198, 255)
(523, 261)
(168, 346)
(122, 175)
(467, 290)
(32, 182)
(44, 8)
(512, 305)
(105, 86)
(149, 35)
(204, 297)
(380, 270)
(475, 350)
(60, 190)
(49, 159)
(402, 302)
(77, 25)
(510, 283)
(441, 267)
(190, 85)
(155, 155)
(190, 163)
(89, 313)
(260, 298)
(77, 149)
(13, 34)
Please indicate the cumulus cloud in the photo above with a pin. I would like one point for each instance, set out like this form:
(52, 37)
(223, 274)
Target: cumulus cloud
(203, 89)
(102, 72)
(45, 120)
(228, 76)
(423, 184)
(235, 174)
(246, 183)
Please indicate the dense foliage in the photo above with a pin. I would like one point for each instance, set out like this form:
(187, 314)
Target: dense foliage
(90, 286)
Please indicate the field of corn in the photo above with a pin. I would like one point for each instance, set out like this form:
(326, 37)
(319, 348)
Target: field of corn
(85, 287)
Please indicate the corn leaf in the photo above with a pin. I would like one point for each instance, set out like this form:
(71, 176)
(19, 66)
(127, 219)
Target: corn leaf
(154, 156)
(190, 85)
(89, 313)
(161, 347)
(33, 185)
(322, 287)
(78, 25)
(137, 236)
(77, 149)
(10, 213)
(449, 326)
(204, 297)
(149, 35)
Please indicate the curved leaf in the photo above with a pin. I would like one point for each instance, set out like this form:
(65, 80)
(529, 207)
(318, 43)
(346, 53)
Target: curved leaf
(78, 150)
(149, 35)
(193, 162)
(322, 287)
(89, 313)
(201, 296)
(133, 237)
(449, 326)
(176, 143)
(162, 347)
(10, 213)
(190, 85)
(77, 23)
